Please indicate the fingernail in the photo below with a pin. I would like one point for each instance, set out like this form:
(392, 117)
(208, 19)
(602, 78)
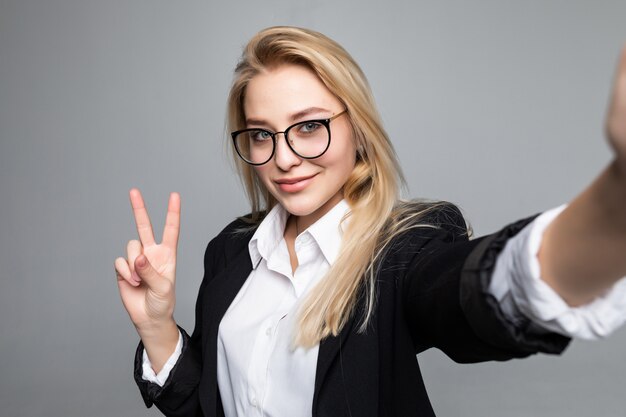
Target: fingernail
(141, 261)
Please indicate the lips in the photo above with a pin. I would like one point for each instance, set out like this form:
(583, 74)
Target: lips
(292, 185)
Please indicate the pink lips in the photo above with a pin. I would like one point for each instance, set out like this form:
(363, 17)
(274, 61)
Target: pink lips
(293, 185)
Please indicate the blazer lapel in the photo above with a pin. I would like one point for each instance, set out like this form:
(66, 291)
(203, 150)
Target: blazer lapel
(329, 348)
(219, 295)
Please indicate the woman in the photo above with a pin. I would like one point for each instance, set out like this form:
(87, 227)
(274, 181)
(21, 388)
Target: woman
(317, 302)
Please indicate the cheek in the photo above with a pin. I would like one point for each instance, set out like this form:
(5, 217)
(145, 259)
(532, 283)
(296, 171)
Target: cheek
(339, 166)
(344, 159)
(348, 167)
(262, 173)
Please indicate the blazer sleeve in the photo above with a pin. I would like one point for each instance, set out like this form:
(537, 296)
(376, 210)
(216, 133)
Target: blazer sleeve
(447, 302)
(179, 395)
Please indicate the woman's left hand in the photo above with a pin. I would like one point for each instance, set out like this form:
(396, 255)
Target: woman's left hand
(616, 118)
(582, 250)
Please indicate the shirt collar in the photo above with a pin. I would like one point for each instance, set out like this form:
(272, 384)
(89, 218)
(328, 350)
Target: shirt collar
(327, 233)
(268, 235)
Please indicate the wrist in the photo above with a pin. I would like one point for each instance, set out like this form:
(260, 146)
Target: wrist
(160, 343)
(157, 329)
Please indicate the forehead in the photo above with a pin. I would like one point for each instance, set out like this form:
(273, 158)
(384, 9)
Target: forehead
(278, 92)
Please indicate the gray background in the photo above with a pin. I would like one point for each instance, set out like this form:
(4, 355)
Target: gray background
(494, 105)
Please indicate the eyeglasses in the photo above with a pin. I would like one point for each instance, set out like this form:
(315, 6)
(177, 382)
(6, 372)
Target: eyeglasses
(308, 139)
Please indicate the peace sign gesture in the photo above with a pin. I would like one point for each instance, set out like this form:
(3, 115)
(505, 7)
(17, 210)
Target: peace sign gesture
(146, 278)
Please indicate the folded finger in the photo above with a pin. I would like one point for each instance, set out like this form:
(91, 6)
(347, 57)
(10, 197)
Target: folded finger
(123, 272)
(133, 250)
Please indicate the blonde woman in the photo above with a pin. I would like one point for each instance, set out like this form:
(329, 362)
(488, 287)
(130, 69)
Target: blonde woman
(317, 302)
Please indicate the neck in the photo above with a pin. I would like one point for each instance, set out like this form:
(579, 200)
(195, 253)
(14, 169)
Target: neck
(292, 228)
(290, 234)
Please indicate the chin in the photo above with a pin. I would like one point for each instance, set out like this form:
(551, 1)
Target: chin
(297, 208)
(301, 204)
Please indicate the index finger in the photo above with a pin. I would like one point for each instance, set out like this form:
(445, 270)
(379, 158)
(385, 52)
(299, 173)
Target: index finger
(144, 228)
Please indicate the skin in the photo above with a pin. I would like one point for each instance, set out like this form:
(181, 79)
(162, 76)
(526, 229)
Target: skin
(582, 252)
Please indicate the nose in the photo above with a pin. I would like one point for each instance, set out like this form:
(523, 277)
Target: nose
(284, 157)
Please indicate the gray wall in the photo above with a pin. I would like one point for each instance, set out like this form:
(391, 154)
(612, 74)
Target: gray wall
(494, 105)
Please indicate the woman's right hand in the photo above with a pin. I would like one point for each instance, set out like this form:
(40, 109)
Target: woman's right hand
(146, 278)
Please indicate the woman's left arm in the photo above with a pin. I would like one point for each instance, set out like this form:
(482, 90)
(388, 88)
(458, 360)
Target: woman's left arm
(583, 251)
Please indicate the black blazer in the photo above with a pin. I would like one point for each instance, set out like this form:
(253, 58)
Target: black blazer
(432, 292)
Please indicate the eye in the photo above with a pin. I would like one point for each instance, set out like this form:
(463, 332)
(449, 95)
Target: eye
(260, 135)
(309, 127)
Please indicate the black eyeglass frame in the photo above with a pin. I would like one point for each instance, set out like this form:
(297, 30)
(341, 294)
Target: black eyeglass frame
(324, 122)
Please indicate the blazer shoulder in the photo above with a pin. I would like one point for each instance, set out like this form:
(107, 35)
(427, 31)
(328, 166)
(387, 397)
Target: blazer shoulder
(438, 216)
(231, 240)
(448, 216)
(238, 228)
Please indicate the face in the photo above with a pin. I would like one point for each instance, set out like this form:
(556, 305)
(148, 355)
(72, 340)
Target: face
(275, 100)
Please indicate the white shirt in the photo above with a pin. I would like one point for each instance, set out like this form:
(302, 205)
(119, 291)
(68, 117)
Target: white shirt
(258, 372)
(255, 363)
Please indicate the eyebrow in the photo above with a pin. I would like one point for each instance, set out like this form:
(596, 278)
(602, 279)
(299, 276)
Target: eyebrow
(294, 117)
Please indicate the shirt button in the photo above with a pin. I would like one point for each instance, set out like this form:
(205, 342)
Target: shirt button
(254, 403)
(268, 331)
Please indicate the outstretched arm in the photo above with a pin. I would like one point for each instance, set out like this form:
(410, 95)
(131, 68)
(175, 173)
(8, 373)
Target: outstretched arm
(583, 251)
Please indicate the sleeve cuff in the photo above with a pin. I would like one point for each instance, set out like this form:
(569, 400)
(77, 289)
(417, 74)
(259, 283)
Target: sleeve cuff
(539, 302)
(515, 336)
(184, 374)
(161, 377)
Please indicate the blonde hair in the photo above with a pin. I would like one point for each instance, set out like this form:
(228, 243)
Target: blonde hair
(372, 190)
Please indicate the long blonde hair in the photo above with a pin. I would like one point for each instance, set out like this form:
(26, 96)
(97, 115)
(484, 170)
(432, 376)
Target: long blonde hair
(372, 190)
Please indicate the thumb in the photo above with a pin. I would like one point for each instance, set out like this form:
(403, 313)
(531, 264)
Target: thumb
(145, 271)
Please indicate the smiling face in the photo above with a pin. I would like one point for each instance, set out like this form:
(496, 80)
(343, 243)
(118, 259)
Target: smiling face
(274, 100)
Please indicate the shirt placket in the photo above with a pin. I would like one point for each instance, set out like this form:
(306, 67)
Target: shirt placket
(259, 373)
